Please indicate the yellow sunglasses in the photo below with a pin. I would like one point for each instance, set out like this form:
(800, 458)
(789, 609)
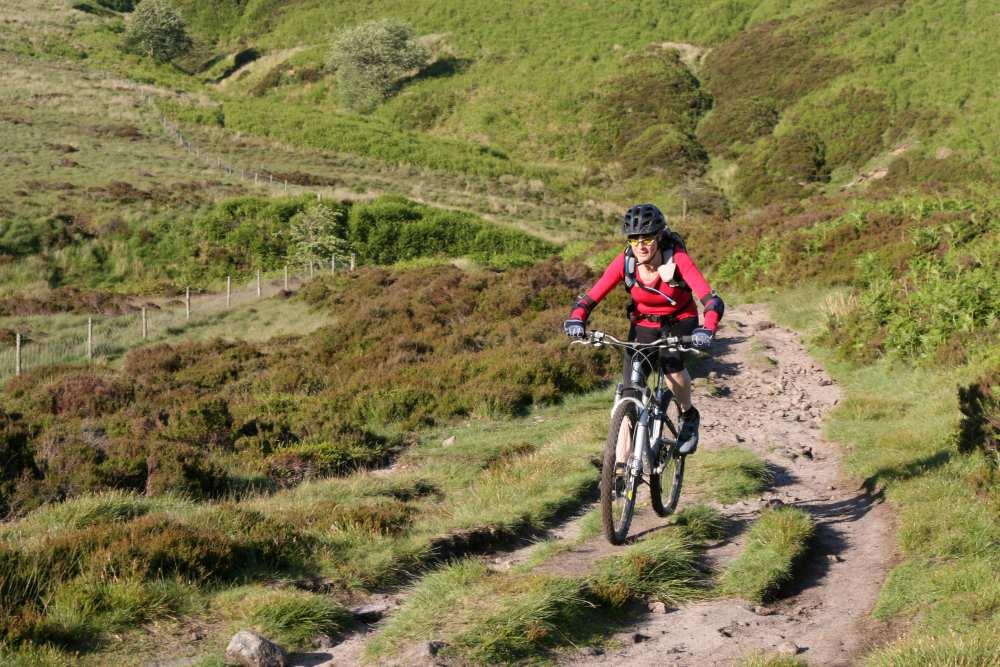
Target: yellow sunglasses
(644, 241)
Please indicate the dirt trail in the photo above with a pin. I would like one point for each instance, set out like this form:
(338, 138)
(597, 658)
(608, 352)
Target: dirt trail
(773, 398)
(770, 397)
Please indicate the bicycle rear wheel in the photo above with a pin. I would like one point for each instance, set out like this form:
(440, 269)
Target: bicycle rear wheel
(673, 470)
(618, 484)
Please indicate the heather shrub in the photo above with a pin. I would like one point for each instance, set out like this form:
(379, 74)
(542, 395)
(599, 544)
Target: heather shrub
(740, 122)
(645, 117)
(294, 464)
(182, 469)
(851, 126)
(88, 394)
(782, 168)
(17, 461)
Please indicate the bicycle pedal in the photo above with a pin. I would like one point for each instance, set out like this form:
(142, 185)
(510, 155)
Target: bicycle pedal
(619, 469)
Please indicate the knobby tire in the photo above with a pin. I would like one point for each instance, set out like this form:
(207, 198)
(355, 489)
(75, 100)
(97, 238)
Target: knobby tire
(618, 492)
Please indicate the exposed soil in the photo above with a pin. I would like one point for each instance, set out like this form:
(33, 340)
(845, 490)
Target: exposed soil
(768, 396)
(773, 397)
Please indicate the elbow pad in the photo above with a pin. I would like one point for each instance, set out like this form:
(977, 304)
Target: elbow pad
(585, 303)
(713, 301)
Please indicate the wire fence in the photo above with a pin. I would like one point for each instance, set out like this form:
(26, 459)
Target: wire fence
(99, 338)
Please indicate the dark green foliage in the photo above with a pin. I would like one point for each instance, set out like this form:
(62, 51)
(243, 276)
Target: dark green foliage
(645, 118)
(17, 461)
(741, 121)
(391, 229)
(87, 394)
(118, 5)
(782, 168)
(979, 403)
(371, 58)
(157, 30)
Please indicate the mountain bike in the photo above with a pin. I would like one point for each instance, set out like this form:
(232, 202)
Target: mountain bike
(642, 438)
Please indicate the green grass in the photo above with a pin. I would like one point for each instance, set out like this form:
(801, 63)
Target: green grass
(729, 474)
(491, 617)
(291, 618)
(701, 523)
(762, 659)
(774, 543)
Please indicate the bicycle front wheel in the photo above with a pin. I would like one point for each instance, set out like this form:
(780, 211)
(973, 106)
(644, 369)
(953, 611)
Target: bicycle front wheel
(618, 484)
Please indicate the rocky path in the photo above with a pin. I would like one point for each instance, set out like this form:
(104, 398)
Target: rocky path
(769, 396)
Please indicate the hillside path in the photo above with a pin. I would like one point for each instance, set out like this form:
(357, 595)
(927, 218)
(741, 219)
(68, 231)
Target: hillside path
(770, 397)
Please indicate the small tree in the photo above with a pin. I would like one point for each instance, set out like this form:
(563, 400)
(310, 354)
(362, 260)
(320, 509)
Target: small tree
(317, 234)
(157, 30)
(371, 58)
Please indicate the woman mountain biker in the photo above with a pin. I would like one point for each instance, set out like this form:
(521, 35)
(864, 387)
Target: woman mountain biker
(662, 282)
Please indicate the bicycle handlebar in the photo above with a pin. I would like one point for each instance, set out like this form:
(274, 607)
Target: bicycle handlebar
(600, 339)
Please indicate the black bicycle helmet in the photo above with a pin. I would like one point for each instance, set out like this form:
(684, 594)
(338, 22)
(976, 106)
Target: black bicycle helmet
(643, 219)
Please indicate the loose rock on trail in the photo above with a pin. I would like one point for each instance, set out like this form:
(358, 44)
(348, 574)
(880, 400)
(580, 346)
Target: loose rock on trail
(774, 397)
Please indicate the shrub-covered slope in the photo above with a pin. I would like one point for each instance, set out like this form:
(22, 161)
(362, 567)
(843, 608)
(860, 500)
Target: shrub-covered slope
(410, 348)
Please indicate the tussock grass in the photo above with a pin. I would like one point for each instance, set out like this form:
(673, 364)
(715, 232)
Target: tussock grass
(701, 523)
(90, 607)
(729, 473)
(495, 617)
(967, 649)
(430, 600)
(774, 543)
(288, 617)
(532, 612)
(662, 567)
(92, 510)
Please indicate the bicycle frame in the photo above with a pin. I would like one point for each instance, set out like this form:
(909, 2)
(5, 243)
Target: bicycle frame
(651, 408)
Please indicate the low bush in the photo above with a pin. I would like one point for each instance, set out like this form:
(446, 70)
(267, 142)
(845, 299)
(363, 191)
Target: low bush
(391, 229)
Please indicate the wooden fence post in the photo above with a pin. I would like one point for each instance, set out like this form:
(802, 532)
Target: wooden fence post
(145, 329)
(187, 303)
(258, 283)
(310, 269)
(286, 277)
(684, 211)
(90, 338)
(229, 290)
(333, 264)
(352, 261)
(17, 354)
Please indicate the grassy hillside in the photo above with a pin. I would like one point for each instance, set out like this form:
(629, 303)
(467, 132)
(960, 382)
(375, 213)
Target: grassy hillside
(845, 146)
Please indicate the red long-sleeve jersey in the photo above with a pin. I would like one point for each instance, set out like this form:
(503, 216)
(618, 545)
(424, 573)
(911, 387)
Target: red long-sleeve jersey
(650, 303)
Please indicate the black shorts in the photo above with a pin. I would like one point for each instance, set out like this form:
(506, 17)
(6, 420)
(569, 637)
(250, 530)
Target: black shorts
(671, 361)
